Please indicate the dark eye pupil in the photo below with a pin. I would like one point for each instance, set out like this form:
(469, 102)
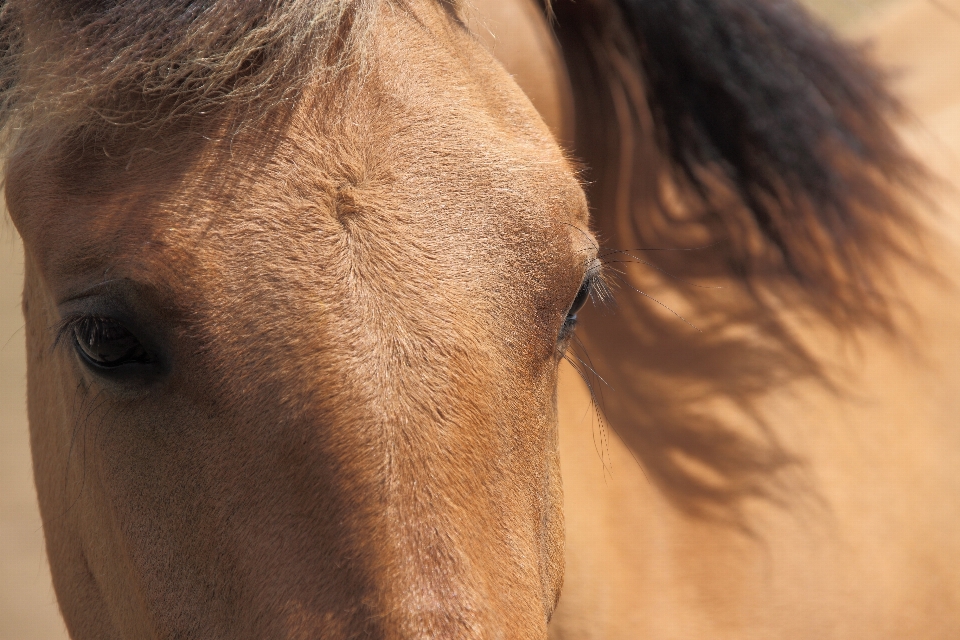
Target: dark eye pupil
(107, 343)
(582, 296)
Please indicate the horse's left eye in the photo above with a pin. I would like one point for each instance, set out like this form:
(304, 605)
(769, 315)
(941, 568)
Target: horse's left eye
(105, 342)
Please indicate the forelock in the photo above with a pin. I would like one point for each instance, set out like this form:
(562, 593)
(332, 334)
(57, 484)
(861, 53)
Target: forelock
(89, 69)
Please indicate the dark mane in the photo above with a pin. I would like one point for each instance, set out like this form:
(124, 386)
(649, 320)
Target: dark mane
(776, 136)
(758, 148)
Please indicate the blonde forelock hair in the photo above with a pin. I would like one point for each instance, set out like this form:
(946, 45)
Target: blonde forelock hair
(91, 68)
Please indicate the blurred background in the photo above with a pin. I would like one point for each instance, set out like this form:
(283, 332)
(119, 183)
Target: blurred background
(845, 14)
(28, 609)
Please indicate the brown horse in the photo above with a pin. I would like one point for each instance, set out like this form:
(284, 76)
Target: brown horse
(301, 278)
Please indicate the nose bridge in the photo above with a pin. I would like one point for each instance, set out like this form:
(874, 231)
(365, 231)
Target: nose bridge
(434, 533)
(457, 582)
(454, 546)
(416, 439)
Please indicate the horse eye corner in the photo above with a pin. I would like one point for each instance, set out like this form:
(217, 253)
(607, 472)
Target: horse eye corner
(567, 328)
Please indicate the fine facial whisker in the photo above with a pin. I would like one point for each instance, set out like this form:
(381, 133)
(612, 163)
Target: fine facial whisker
(701, 248)
(589, 367)
(603, 447)
(636, 260)
(586, 234)
(647, 295)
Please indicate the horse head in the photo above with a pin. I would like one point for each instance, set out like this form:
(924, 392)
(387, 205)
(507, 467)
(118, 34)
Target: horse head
(298, 379)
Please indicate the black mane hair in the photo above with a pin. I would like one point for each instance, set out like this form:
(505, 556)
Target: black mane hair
(758, 149)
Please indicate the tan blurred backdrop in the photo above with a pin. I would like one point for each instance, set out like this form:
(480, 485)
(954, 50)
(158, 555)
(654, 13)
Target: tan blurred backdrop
(28, 609)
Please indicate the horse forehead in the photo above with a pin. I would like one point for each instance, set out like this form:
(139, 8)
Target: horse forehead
(447, 133)
(433, 138)
(493, 207)
(437, 111)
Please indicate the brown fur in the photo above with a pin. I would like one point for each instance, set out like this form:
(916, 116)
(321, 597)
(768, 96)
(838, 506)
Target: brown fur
(324, 482)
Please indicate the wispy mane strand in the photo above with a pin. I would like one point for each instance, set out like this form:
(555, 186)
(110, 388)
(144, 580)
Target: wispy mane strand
(94, 66)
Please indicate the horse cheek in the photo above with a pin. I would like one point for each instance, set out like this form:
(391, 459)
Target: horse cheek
(65, 473)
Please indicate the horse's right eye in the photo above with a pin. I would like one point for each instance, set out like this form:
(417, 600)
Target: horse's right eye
(106, 343)
(586, 290)
(583, 294)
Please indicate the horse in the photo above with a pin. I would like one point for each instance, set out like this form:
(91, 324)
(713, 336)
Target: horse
(309, 339)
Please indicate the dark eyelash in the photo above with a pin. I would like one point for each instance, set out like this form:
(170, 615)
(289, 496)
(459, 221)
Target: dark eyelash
(598, 279)
(63, 330)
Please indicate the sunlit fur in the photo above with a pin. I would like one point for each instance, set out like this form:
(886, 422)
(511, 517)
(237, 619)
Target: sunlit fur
(354, 241)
